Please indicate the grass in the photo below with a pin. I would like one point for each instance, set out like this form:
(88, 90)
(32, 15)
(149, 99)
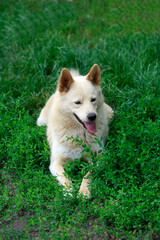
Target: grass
(38, 38)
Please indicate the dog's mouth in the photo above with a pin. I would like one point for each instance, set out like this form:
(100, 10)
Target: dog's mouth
(90, 126)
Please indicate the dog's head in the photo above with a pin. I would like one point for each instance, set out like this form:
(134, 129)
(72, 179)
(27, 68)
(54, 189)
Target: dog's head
(81, 96)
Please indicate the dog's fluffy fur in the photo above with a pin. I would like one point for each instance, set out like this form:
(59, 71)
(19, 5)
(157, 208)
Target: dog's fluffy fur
(76, 109)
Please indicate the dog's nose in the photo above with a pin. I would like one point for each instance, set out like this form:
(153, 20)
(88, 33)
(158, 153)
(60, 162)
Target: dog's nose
(91, 116)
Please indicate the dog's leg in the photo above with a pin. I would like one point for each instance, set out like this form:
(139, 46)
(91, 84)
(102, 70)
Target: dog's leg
(58, 171)
(84, 186)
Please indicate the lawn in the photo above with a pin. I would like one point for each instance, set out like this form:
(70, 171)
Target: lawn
(38, 39)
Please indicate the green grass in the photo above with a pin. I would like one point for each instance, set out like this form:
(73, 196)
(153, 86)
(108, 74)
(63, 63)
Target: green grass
(38, 39)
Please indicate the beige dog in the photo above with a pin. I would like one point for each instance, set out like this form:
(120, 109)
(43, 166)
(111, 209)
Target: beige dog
(77, 110)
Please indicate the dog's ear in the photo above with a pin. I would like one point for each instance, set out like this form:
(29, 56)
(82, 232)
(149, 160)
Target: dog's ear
(94, 75)
(65, 80)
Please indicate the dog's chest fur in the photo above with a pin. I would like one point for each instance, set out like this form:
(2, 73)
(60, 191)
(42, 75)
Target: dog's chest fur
(61, 140)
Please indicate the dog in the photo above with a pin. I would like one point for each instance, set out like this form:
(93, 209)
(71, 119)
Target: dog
(75, 110)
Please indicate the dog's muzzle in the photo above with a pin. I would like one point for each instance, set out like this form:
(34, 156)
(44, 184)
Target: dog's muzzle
(91, 117)
(79, 120)
(90, 125)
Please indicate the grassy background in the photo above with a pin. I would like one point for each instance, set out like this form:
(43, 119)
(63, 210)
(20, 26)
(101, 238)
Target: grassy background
(37, 39)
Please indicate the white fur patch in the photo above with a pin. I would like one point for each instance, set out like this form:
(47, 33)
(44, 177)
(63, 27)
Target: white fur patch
(41, 121)
(66, 152)
(74, 72)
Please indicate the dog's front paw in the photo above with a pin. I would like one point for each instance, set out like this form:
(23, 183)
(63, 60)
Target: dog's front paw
(85, 192)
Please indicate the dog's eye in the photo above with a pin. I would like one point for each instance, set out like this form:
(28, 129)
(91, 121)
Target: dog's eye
(77, 102)
(93, 99)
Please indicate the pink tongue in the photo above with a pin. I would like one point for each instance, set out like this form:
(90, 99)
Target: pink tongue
(91, 127)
